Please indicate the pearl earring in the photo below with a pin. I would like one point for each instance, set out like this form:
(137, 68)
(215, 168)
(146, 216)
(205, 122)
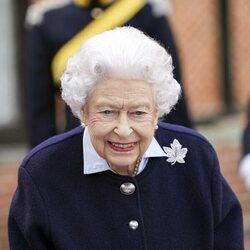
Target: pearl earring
(156, 127)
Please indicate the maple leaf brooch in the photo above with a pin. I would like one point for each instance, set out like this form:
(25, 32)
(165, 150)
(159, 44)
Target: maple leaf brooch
(176, 153)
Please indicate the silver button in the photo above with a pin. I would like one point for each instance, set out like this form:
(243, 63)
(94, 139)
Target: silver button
(127, 188)
(133, 224)
(96, 13)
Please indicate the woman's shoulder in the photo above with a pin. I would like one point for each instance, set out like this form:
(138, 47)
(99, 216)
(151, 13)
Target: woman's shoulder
(55, 147)
(169, 132)
(188, 148)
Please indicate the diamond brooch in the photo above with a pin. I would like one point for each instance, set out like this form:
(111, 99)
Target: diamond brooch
(175, 153)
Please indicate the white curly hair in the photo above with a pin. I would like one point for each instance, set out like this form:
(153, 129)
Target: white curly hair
(123, 53)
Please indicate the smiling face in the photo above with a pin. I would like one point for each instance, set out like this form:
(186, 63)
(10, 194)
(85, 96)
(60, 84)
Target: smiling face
(121, 118)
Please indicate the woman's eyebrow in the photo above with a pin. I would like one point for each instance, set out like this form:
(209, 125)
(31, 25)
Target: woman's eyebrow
(109, 102)
(105, 103)
(139, 104)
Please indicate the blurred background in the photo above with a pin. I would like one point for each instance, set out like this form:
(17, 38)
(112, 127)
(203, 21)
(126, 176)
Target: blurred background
(213, 41)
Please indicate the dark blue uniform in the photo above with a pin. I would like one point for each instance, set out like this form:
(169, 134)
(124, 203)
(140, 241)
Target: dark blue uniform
(246, 140)
(58, 26)
(244, 166)
(246, 133)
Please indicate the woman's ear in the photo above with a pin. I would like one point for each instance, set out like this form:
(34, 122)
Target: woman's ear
(156, 118)
(83, 115)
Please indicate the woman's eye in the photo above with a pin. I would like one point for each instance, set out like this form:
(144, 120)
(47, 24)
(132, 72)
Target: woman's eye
(107, 112)
(139, 113)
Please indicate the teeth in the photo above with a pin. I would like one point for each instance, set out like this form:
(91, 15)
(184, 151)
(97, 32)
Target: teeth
(122, 145)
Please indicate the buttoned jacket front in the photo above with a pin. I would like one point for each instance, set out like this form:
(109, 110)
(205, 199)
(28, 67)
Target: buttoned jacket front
(173, 206)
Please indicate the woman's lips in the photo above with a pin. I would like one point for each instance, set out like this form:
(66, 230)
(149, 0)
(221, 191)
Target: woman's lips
(122, 147)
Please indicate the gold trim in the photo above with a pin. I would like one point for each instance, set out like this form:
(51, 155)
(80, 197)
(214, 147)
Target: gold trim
(82, 3)
(116, 15)
(106, 2)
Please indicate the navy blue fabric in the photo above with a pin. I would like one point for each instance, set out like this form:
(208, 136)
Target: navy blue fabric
(246, 141)
(180, 206)
(43, 42)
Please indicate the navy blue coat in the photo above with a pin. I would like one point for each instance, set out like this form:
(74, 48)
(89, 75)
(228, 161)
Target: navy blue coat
(182, 206)
(45, 39)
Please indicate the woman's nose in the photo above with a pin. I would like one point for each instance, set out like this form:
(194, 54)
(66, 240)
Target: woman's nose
(123, 127)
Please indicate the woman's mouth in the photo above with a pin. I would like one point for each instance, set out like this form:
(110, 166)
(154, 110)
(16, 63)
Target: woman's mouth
(122, 147)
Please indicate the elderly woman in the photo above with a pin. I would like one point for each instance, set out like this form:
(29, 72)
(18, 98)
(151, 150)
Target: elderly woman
(120, 181)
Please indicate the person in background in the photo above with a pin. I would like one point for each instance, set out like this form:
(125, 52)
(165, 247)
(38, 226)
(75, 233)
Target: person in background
(244, 169)
(35, 1)
(55, 30)
(123, 180)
